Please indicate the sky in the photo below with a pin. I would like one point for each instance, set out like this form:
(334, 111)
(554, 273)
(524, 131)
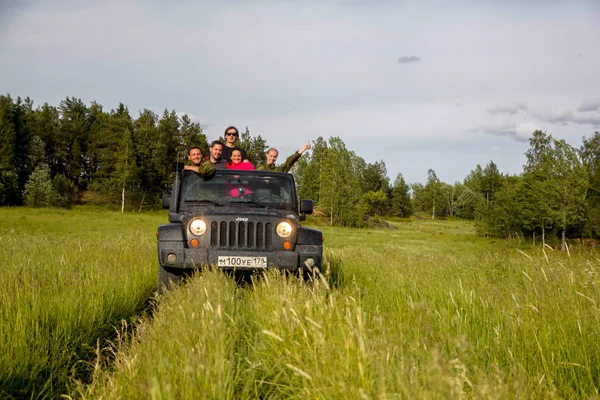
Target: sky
(442, 85)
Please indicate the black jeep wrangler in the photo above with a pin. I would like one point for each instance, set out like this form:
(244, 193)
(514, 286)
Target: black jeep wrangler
(235, 220)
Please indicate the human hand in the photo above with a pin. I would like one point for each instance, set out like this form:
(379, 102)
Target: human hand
(305, 147)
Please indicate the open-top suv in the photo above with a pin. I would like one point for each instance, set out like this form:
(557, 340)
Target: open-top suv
(235, 220)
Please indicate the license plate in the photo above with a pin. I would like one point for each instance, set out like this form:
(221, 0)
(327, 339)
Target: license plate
(242, 262)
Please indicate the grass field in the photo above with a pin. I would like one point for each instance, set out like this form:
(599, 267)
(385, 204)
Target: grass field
(427, 310)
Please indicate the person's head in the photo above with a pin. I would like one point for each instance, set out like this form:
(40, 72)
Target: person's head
(272, 155)
(231, 136)
(216, 149)
(195, 155)
(235, 157)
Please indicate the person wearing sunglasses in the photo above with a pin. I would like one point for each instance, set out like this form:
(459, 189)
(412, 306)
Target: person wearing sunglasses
(231, 138)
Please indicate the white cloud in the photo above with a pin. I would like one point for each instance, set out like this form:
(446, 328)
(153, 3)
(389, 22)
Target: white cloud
(525, 129)
(292, 71)
(519, 132)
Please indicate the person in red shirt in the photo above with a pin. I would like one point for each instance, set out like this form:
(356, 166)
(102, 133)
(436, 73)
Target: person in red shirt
(235, 160)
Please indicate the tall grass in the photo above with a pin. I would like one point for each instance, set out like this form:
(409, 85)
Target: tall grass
(428, 310)
(66, 280)
(434, 316)
(187, 350)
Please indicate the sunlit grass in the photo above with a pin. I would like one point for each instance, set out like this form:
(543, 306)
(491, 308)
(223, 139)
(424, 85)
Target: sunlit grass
(66, 280)
(187, 350)
(484, 321)
(427, 310)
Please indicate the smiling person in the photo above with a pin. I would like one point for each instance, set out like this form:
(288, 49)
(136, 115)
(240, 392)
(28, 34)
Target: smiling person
(195, 156)
(216, 150)
(236, 162)
(272, 155)
(199, 164)
(231, 139)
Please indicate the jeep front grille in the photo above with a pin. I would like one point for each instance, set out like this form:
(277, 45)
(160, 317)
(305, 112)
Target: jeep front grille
(241, 235)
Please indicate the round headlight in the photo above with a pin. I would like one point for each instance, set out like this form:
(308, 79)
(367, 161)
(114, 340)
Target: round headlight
(284, 229)
(198, 227)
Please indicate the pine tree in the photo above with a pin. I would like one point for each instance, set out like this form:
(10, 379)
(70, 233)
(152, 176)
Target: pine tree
(9, 181)
(146, 140)
(73, 139)
(590, 154)
(169, 152)
(39, 191)
(375, 177)
(401, 205)
(191, 135)
(255, 147)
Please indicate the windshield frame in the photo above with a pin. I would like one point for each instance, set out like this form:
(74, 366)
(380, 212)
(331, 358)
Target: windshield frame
(230, 176)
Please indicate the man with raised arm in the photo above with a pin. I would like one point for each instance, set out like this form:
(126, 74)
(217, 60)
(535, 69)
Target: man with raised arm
(272, 154)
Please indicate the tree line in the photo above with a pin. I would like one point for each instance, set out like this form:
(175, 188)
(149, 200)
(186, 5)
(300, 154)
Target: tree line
(78, 153)
(556, 196)
(57, 156)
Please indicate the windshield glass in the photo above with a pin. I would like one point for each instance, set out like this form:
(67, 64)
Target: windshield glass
(228, 188)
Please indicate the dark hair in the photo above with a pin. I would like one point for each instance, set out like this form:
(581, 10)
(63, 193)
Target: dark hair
(216, 142)
(232, 127)
(272, 149)
(192, 148)
(231, 153)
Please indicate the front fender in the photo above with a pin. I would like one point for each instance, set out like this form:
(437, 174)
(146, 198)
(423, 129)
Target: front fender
(309, 236)
(170, 233)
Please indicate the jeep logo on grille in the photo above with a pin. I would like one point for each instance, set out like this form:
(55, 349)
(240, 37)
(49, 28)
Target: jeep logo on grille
(241, 219)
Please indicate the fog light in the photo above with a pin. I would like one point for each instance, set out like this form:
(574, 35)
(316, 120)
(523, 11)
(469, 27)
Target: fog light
(309, 262)
(287, 245)
(171, 258)
(194, 242)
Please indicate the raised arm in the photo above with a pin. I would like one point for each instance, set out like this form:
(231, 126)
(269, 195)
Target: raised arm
(304, 148)
(291, 160)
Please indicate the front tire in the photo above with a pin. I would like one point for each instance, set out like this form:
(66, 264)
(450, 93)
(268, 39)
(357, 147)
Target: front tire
(168, 278)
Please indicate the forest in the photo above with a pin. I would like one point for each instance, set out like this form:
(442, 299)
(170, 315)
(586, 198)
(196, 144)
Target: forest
(74, 153)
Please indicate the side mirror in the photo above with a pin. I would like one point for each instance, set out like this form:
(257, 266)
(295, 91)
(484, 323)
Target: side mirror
(166, 200)
(306, 206)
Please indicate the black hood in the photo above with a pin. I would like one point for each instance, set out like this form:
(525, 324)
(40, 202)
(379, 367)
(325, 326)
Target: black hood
(250, 210)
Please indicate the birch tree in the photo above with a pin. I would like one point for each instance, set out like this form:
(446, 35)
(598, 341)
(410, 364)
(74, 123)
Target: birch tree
(125, 171)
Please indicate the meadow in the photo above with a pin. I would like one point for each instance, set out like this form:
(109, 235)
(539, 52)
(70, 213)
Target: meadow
(426, 310)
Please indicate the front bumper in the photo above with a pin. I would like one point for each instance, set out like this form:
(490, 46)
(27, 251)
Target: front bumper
(186, 258)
